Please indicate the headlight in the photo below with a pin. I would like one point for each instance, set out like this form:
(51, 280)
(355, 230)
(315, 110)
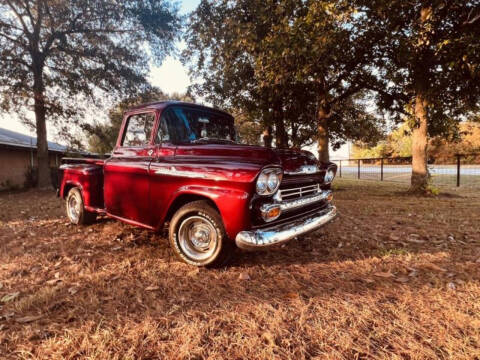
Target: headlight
(329, 176)
(268, 181)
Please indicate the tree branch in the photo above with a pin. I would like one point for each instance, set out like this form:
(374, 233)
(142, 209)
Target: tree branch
(19, 16)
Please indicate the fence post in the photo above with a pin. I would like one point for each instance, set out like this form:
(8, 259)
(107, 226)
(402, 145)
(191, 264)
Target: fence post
(359, 168)
(458, 170)
(340, 168)
(381, 171)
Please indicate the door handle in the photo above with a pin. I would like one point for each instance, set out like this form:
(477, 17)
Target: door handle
(150, 152)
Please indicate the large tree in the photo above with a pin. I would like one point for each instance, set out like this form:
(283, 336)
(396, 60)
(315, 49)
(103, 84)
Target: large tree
(429, 61)
(297, 65)
(53, 51)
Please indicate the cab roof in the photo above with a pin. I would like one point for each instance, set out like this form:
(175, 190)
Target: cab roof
(160, 105)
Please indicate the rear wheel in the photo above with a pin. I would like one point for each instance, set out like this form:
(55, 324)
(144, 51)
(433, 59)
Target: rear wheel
(197, 235)
(75, 207)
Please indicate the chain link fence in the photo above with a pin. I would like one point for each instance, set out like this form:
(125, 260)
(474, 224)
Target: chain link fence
(459, 170)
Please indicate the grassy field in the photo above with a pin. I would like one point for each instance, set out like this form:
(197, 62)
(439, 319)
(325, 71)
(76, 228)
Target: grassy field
(394, 277)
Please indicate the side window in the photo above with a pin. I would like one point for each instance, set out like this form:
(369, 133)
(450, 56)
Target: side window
(139, 129)
(162, 134)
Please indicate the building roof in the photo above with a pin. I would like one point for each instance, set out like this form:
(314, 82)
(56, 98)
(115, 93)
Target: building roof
(15, 139)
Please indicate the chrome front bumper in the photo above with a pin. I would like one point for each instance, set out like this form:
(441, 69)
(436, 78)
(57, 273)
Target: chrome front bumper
(256, 239)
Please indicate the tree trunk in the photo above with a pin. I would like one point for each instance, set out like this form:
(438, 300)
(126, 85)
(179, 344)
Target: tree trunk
(419, 180)
(420, 176)
(44, 180)
(323, 135)
(281, 137)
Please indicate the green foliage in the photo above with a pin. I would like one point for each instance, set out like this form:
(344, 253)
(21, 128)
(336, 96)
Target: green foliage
(278, 61)
(430, 48)
(432, 190)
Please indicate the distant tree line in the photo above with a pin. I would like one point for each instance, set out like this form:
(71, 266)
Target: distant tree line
(441, 149)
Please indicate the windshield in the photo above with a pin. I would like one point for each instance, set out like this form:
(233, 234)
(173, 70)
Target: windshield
(182, 124)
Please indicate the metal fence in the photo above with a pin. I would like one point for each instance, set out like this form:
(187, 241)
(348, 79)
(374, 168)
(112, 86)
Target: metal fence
(459, 170)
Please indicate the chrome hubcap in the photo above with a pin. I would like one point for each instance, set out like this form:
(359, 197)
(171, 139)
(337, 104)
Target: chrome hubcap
(197, 238)
(73, 209)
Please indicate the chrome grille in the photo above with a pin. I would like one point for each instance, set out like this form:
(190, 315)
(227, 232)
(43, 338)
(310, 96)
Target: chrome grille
(299, 192)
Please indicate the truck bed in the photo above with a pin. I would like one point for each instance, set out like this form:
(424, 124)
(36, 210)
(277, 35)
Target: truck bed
(86, 174)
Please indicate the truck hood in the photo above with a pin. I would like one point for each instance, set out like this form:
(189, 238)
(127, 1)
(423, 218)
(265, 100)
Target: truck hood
(293, 161)
(247, 156)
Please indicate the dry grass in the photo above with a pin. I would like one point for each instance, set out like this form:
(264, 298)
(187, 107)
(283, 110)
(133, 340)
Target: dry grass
(394, 277)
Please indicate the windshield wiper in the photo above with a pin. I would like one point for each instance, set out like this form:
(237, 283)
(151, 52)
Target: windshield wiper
(207, 139)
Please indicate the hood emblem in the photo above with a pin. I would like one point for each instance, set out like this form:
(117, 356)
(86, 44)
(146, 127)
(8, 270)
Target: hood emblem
(304, 170)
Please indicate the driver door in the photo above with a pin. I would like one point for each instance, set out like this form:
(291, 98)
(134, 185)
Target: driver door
(126, 184)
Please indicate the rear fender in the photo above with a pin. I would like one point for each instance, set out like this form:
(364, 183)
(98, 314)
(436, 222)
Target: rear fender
(89, 179)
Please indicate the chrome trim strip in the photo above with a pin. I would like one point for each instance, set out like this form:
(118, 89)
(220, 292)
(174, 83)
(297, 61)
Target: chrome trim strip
(306, 200)
(250, 240)
(172, 171)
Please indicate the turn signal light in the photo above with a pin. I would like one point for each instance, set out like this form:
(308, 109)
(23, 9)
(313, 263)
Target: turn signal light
(273, 213)
(270, 212)
(330, 197)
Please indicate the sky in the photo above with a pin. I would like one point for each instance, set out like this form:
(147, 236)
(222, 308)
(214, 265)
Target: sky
(170, 77)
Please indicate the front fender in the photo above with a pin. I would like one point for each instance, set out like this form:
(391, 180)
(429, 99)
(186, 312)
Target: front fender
(232, 203)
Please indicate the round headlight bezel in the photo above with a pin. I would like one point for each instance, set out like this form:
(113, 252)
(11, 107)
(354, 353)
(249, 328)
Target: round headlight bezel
(263, 184)
(329, 176)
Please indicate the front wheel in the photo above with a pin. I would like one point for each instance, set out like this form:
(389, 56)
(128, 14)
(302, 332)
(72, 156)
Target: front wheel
(76, 210)
(197, 235)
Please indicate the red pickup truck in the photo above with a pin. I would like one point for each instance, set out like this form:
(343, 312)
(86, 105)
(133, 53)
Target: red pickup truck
(179, 165)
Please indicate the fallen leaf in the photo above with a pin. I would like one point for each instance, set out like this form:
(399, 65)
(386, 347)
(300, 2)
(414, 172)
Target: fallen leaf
(394, 237)
(7, 315)
(1, 286)
(291, 295)
(73, 290)
(57, 275)
(244, 276)
(53, 281)
(27, 319)
(268, 338)
(152, 288)
(10, 297)
(435, 267)
(402, 279)
(117, 248)
(369, 281)
(382, 274)
(451, 286)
